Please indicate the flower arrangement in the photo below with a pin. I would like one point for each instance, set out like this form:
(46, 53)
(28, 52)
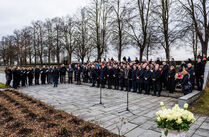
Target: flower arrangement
(175, 119)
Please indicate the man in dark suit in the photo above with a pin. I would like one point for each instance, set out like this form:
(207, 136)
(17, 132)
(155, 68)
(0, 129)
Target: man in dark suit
(199, 73)
(37, 75)
(147, 78)
(156, 75)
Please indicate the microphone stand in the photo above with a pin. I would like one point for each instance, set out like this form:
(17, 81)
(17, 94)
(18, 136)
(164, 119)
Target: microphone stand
(127, 101)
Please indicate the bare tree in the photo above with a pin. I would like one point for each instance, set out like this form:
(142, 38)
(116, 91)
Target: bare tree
(82, 37)
(98, 13)
(119, 26)
(198, 11)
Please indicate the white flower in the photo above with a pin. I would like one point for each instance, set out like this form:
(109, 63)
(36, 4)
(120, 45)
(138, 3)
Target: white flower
(162, 104)
(158, 119)
(179, 121)
(186, 106)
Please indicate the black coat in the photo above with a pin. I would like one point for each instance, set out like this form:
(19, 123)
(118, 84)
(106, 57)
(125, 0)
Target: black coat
(8, 74)
(37, 72)
(55, 73)
(134, 72)
(140, 75)
(147, 75)
(199, 70)
(63, 71)
(156, 75)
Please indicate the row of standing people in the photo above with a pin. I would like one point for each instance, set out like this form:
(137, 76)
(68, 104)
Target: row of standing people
(129, 76)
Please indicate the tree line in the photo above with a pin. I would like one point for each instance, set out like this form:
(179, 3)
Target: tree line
(148, 25)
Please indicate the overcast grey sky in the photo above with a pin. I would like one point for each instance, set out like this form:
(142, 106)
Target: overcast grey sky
(15, 14)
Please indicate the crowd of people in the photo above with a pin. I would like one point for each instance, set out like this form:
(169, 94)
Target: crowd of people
(126, 75)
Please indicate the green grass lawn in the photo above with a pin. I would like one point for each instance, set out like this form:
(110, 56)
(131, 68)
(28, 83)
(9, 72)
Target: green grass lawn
(3, 85)
(201, 106)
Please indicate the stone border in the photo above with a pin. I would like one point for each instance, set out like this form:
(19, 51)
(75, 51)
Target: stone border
(189, 98)
(206, 75)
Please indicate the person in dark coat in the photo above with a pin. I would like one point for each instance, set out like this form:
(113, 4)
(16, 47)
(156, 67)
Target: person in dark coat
(183, 65)
(147, 78)
(62, 74)
(30, 76)
(75, 69)
(199, 73)
(121, 78)
(15, 77)
(171, 79)
(93, 75)
(37, 75)
(70, 74)
(110, 77)
(24, 75)
(165, 75)
(18, 76)
(103, 76)
(55, 76)
(156, 75)
(140, 79)
(186, 86)
(8, 74)
(78, 75)
(134, 72)
(191, 73)
(85, 74)
(98, 71)
(116, 77)
(173, 63)
(50, 76)
(128, 78)
(43, 75)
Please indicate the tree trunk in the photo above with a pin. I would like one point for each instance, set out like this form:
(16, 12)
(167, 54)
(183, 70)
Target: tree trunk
(141, 54)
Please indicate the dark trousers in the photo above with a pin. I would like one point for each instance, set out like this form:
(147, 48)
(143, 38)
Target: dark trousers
(78, 79)
(70, 80)
(102, 81)
(165, 82)
(62, 78)
(23, 81)
(199, 81)
(15, 83)
(171, 85)
(139, 86)
(116, 83)
(128, 84)
(147, 87)
(134, 85)
(55, 79)
(93, 82)
(98, 82)
(8, 82)
(37, 80)
(109, 83)
(157, 88)
(43, 79)
(121, 83)
(30, 81)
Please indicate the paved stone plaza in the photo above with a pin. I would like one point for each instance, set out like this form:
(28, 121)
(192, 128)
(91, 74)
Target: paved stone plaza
(80, 100)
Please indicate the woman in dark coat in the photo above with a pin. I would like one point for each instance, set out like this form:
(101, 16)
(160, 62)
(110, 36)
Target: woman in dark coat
(8, 73)
(55, 76)
(171, 79)
(186, 85)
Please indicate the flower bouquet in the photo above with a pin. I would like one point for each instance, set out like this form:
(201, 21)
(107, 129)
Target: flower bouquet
(174, 122)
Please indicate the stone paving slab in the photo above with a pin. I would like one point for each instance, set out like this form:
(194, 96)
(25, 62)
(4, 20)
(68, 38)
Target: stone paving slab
(80, 101)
